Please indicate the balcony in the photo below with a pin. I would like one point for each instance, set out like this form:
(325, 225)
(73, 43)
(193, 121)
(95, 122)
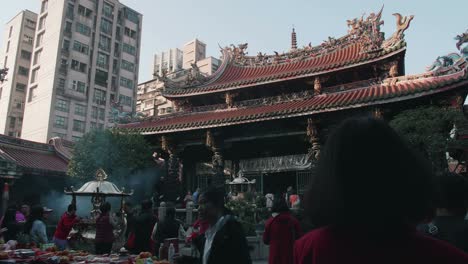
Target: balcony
(70, 93)
(67, 33)
(63, 70)
(65, 52)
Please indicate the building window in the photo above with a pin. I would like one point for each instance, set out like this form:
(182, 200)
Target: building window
(129, 49)
(62, 105)
(130, 33)
(105, 43)
(127, 83)
(132, 16)
(66, 45)
(83, 29)
(28, 39)
(12, 121)
(5, 61)
(101, 77)
(94, 112)
(39, 40)
(11, 31)
(23, 71)
(126, 65)
(32, 93)
(108, 10)
(106, 26)
(20, 87)
(103, 60)
(44, 6)
(79, 86)
(78, 126)
(37, 57)
(61, 122)
(42, 22)
(80, 110)
(102, 114)
(31, 24)
(99, 97)
(80, 47)
(83, 11)
(8, 46)
(78, 66)
(70, 11)
(125, 100)
(25, 55)
(68, 28)
(19, 105)
(34, 75)
(100, 126)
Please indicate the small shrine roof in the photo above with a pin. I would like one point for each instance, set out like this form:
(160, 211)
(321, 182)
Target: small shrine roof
(32, 156)
(363, 44)
(390, 90)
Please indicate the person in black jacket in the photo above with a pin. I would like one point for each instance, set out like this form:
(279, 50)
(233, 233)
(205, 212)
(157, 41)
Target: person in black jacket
(143, 226)
(224, 241)
(451, 201)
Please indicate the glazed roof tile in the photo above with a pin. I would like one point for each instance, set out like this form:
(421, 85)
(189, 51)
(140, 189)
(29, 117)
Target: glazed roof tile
(32, 156)
(231, 76)
(393, 90)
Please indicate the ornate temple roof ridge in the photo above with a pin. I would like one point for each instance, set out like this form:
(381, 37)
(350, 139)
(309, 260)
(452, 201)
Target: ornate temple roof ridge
(363, 44)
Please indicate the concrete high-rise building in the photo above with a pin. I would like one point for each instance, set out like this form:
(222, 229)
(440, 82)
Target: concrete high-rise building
(194, 51)
(169, 61)
(86, 56)
(16, 54)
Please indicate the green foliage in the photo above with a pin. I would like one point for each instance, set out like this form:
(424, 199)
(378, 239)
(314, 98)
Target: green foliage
(246, 214)
(119, 153)
(427, 130)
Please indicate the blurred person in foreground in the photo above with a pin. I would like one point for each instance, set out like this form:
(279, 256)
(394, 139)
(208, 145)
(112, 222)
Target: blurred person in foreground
(449, 223)
(224, 241)
(369, 194)
(281, 231)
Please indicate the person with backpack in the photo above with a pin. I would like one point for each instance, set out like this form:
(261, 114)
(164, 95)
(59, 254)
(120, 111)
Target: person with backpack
(281, 231)
(449, 223)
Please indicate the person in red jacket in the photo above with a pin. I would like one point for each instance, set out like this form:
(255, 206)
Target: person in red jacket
(369, 192)
(64, 226)
(281, 231)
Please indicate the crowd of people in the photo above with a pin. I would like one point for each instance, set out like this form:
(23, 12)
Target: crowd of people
(372, 200)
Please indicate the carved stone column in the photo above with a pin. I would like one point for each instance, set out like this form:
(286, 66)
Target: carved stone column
(313, 138)
(170, 184)
(377, 113)
(217, 160)
(317, 86)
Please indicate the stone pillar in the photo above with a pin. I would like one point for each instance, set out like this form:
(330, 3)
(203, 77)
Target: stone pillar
(317, 86)
(217, 160)
(377, 113)
(189, 213)
(314, 140)
(170, 188)
(162, 211)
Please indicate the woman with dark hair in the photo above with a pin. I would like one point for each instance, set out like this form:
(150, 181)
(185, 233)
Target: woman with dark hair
(369, 194)
(104, 230)
(224, 241)
(281, 231)
(36, 227)
(9, 222)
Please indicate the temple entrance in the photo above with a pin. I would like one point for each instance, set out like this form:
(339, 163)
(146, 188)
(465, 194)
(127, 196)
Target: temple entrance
(278, 182)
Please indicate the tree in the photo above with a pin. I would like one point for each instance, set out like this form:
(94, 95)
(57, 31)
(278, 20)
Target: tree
(119, 153)
(427, 130)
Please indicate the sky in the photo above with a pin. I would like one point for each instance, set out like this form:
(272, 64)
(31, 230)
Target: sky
(266, 24)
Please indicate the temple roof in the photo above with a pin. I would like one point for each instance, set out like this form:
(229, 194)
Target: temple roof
(363, 44)
(389, 91)
(33, 157)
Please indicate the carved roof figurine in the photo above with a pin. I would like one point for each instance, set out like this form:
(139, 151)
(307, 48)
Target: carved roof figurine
(293, 40)
(461, 39)
(402, 24)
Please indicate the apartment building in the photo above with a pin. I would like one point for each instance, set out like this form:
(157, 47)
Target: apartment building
(16, 55)
(85, 59)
